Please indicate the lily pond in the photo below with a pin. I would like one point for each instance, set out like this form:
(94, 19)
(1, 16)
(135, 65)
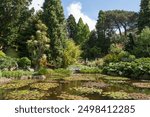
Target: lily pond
(76, 87)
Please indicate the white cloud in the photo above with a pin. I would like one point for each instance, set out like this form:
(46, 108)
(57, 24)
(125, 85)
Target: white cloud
(76, 10)
(37, 4)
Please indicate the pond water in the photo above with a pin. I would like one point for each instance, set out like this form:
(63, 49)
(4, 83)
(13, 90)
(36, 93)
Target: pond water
(76, 87)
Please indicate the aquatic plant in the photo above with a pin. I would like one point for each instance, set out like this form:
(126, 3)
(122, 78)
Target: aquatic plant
(117, 95)
(91, 70)
(139, 96)
(119, 81)
(115, 78)
(44, 86)
(91, 84)
(17, 84)
(65, 96)
(24, 95)
(142, 85)
(80, 77)
(86, 90)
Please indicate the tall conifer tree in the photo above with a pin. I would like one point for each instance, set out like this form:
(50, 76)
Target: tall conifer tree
(82, 32)
(71, 27)
(103, 40)
(144, 17)
(53, 17)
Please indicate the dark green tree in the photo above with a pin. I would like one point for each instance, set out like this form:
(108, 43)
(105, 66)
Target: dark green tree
(53, 17)
(72, 27)
(103, 35)
(82, 32)
(144, 16)
(13, 15)
(28, 29)
(120, 19)
(91, 49)
(142, 44)
(130, 44)
(79, 37)
(86, 32)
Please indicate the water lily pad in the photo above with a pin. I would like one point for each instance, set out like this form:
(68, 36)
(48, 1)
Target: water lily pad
(86, 90)
(44, 86)
(117, 95)
(139, 96)
(116, 78)
(142, 85)
(12, 86)
(17, 84)
(65, 96)
(24, 95)
(81, 77)
(95, 84)
(119, 81)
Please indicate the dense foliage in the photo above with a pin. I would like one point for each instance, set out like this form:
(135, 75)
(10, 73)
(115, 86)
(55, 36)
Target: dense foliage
(138, 69)
(24, 63)
(53, 17)
(71, 55)
(142, 48)
(38, 43)
(46, 40)
(13, 16)
(8, 63)
(15, 74)
(144, 18)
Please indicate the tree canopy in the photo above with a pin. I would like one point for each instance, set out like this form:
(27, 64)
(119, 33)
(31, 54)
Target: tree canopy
(144, 15)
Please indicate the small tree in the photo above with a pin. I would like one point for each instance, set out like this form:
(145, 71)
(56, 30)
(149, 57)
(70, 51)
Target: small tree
(71, 53)
(24, 63)
(142, 44)
(38, 43)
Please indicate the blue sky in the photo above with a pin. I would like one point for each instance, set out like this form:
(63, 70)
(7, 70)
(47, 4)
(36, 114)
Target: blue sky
(92, 7)
(88, 9)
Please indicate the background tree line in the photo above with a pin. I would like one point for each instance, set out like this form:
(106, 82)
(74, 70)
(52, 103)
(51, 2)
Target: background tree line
(48, 39)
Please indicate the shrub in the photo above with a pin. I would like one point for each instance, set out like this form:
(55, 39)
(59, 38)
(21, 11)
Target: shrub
(71, 54)
(63, 71)
(122, 56)
(115, 48)
(15, 74)
(24, 63)
(8, 63)
(2, 54)
(111, 58)
(42, 71)
(138, 69)
(91, 70)
(97, 63)
(51, 72)
(142, 48)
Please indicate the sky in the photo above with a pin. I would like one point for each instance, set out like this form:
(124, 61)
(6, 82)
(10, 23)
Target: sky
(88, 9)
